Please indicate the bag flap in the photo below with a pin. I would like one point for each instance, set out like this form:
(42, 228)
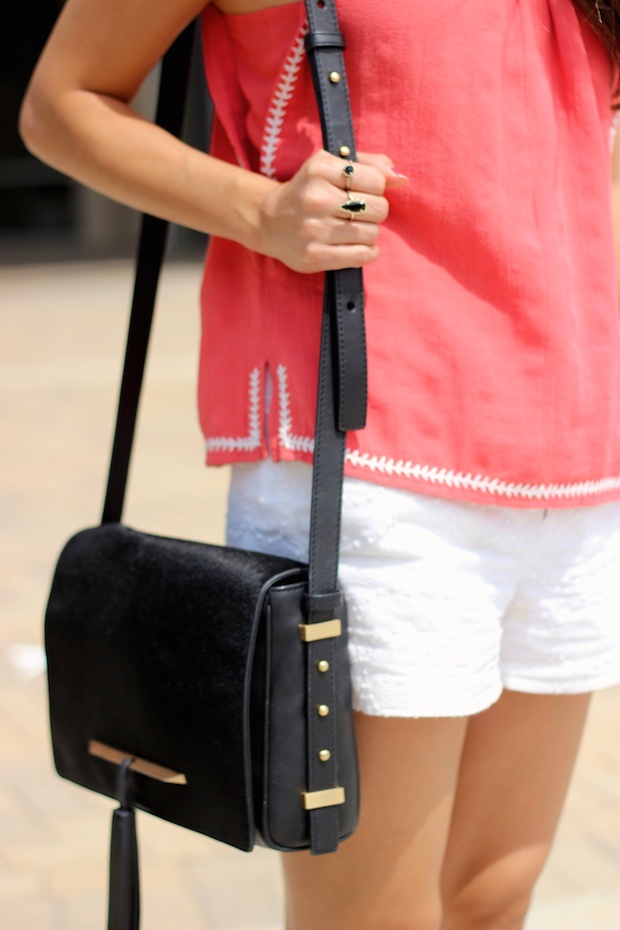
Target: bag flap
(150, 644)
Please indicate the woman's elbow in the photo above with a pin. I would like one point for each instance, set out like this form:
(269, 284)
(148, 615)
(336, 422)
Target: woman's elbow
(32, 121)
(40, 123)
(27, 122)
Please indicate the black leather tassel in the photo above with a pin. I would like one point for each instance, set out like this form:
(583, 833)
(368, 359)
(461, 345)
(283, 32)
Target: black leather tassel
(124, 899)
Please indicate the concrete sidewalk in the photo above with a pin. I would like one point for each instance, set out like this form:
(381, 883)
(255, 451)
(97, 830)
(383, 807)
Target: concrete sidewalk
(61, 344)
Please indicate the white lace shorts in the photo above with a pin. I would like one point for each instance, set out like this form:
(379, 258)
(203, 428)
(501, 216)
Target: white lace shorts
(450, 602)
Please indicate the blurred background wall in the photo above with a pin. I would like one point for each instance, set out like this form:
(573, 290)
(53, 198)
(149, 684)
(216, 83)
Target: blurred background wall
(45, 216)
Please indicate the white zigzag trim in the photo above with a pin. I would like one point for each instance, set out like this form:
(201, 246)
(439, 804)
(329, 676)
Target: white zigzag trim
(433, 475)
(397, 467)
(254, 438)
(279, 103)
(285, 433)
(490, 486)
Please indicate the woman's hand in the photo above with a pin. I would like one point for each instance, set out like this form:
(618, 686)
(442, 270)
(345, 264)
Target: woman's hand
(301, 222)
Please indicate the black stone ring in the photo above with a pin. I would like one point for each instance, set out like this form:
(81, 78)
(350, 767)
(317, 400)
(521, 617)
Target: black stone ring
(348, 172)
(353, 206)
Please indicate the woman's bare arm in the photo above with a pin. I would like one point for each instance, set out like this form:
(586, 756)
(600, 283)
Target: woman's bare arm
(77, 117)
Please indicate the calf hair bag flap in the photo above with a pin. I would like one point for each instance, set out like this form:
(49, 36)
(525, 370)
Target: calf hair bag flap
(207, 685)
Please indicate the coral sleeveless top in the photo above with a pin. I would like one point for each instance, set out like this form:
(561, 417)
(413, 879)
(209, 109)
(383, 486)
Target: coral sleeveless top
(492, 317)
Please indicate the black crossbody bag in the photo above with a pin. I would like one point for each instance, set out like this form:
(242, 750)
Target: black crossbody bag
(208, 685)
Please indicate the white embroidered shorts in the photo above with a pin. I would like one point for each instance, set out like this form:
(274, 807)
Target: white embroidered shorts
(451, 602)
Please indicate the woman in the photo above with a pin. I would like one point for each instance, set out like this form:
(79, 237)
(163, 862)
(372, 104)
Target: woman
(481, 540)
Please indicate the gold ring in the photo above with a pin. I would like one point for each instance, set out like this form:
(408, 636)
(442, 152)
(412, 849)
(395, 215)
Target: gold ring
(353, 206)
(348, 172)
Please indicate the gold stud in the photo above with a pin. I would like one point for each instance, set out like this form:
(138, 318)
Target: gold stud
(334, 77)
(322, 710)
(324, 755)
(323, 665)
(345, 151)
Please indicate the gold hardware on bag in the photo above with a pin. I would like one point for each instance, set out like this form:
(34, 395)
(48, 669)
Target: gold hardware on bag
(324, 755)
(322, 710)
(142, 766)
(345, 151)
(334, 77)
(323, 665)
(330, 797)
(313, 632)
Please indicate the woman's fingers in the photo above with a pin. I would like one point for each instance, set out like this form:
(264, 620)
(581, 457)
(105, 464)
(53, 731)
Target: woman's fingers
(326, 245)
(327, 190)
(335, 257)
(328, 215)
(361, 207)
(355, 233)
(367, 178)
(383, 163)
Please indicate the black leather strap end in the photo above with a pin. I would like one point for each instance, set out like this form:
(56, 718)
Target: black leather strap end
(350, 339)
(124, 895)
(323, 831)
(124, 899)
(315, 603)
(324, 40)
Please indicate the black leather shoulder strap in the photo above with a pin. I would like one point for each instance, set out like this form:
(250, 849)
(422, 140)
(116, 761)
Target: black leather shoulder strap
(152, 245)
(341, 406)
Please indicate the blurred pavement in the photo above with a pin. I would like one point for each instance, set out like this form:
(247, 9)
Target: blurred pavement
(62, 332)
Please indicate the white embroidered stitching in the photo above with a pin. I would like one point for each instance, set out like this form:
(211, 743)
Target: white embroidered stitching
(390, 466)
(434, 475)
(254, 438)
(491, 486)
(277, 109)
(285, 435)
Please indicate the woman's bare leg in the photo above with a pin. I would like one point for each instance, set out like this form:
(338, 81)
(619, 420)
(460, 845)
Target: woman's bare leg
(517, 761)
(489, 815)
(386, 877)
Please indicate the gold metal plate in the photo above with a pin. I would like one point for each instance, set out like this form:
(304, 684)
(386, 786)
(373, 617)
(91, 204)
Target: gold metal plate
(313, 632)
(313, 800)
(142, 766)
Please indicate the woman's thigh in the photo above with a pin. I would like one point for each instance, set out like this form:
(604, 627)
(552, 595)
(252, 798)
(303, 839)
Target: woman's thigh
(386, 876)
(516, 765)
(458, 816)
